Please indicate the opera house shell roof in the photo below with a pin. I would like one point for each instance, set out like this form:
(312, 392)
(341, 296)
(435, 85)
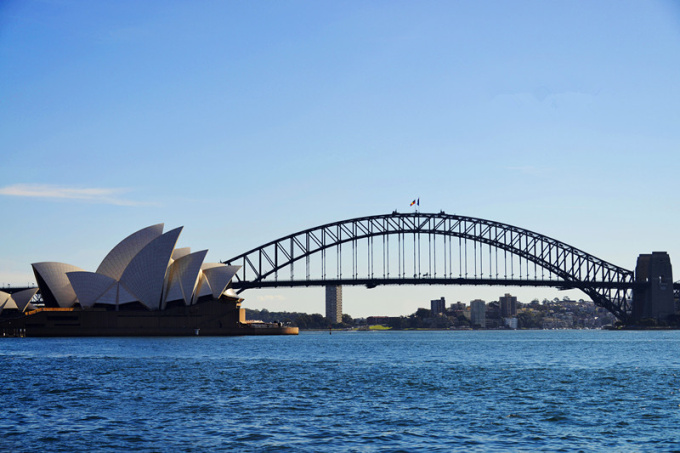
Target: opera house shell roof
(18, 301)
(144, 269)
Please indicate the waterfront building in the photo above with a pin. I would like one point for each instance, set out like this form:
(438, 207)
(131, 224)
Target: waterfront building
(478, 313)
(144, 270)
(438, 306)
(334, 304)
(508, 305)
(143, 287)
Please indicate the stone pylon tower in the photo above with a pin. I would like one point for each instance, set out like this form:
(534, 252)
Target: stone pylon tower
(656, 299)
(334, 304)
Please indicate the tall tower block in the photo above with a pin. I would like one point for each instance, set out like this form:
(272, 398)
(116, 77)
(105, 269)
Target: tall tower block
(334, 304)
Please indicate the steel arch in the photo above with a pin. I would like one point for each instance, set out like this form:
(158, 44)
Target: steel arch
(606, 284)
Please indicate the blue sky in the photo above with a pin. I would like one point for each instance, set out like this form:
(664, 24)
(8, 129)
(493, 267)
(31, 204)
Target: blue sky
(247, 121)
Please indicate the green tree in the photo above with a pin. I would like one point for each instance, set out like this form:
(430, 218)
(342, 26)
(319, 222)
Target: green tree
(463, 320)
(422, 313)
(529, 320)
(318, 321)
(302, 321)
(398, 323)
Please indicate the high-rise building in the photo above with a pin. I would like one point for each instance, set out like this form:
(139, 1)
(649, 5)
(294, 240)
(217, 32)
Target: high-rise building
(478, 313)
(438, 306)
(334, 304)
(508, 305)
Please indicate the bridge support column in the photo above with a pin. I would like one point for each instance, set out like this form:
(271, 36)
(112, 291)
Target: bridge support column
(655, 300)
(334, 304)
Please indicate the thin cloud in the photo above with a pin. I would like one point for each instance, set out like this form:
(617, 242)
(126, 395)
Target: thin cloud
(96, 195)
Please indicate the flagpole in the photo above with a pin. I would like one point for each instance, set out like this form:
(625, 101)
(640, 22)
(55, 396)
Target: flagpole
(416, 203)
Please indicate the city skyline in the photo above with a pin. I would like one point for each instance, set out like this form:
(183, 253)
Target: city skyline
(248, 122)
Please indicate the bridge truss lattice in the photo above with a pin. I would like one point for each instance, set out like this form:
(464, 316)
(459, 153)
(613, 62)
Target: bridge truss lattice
(421, 248)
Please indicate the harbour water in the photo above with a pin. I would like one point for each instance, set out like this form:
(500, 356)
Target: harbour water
(349, 391)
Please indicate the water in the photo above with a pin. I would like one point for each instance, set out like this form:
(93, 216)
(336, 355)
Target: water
(350, 391)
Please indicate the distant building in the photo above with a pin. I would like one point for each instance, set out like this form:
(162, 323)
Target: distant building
(377, 320)
(510, 323)
(438, 306)
(478, 313)
(457, 306)
(334, 304)
(493, 311)
(508, 306)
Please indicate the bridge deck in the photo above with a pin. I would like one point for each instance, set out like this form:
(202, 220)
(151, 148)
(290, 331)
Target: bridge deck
(373, 282)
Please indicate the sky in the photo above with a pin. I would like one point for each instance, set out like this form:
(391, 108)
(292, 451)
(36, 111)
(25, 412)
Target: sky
(246, 121)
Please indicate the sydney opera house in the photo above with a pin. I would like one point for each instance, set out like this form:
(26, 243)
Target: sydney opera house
(144, 286)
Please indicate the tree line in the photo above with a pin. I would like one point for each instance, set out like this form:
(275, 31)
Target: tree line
(301, 320)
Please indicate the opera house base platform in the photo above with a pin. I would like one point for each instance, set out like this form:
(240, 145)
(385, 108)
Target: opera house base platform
(207, 318)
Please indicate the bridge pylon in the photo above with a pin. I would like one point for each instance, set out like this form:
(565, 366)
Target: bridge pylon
(654, 298)
(334, 303)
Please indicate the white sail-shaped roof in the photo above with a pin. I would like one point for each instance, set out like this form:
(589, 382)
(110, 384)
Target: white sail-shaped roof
(22, 299)
(145, 275)
(145, 267)
(89, 286)
(6, 301)
(54, 276)
(110, 296)
(122, 254)
(202, 288)
(116, 295)
(171, 287)
(183, 277)
(219, 276)
(172, 290)
(124, 296)
(180, 252)
(190, 268)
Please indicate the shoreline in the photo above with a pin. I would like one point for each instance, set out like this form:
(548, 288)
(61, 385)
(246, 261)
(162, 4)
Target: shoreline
(610, 328)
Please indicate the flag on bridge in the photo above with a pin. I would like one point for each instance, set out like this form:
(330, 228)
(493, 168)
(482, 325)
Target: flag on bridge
(413, 202)
(416, 202)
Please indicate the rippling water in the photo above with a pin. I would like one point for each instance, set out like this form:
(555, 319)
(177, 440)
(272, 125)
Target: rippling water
(350, 391)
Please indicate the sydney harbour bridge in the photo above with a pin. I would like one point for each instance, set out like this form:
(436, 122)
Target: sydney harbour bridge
(448, 249)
